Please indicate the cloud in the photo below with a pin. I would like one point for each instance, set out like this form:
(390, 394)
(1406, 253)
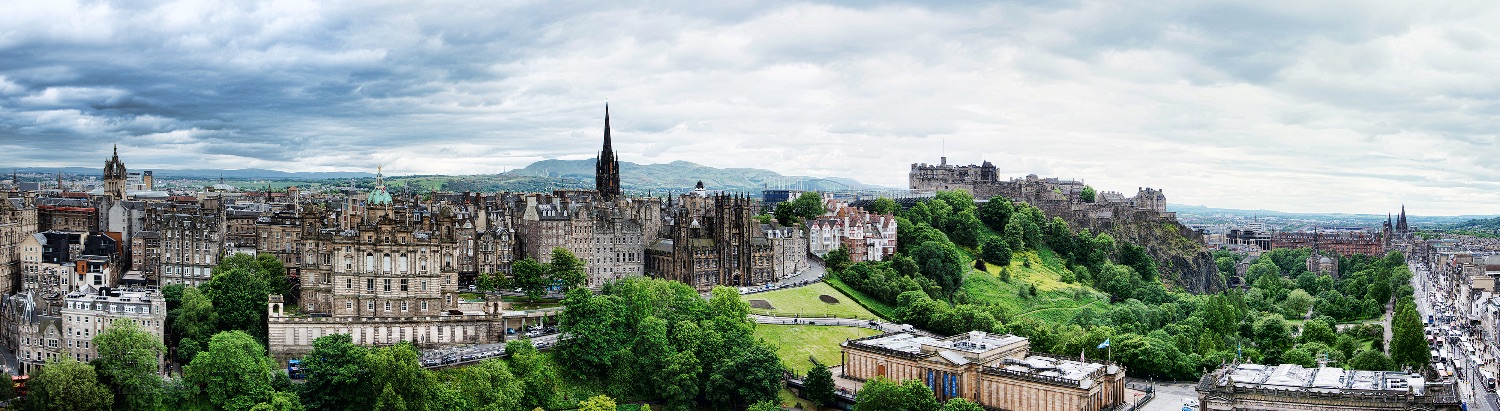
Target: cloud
(1328, 106)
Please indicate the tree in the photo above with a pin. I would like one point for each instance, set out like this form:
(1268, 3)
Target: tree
(597, 403)
(195, 322)
(880, 394)
(1273, 333)
(1408, 347)
(234, 373)
(336, 374)
(1088, 194)
(751, 376)
(239, 299)
(807, 205)
(996, 213)
(764, 406)
(818, 386)
(1298, 356)
(280, 401)
(66, 384)
(941, 263)
(1318, 331)
(128, 359)
(884, 205)
(397, 366)
(960, 404)
(539, 380)
(995, 251)
(567, 269)
(837, 259)
(1297, 302)
(530, 277)
(266, 266)
(1372, 360)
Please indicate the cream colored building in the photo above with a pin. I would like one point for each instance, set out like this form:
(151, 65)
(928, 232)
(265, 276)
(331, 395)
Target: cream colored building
(996, 371)
(86, 315)
(1292, 387)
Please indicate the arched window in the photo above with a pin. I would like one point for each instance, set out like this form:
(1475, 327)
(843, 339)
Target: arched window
(404, 264)
(369, 262)
(385, 263)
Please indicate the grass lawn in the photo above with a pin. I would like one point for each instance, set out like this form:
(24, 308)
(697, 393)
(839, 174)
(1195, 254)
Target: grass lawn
(794, 343)
(803, 301)
(881, 309)
(1055, 299)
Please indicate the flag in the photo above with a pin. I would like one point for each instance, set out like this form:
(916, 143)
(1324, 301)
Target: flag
(1104, 344)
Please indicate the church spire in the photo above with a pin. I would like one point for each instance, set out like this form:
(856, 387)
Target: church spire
(607, 168)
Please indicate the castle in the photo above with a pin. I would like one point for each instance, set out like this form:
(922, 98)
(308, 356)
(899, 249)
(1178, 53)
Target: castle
(1055, 197)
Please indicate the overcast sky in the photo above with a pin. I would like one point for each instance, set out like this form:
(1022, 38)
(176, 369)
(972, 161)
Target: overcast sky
(1336, 106)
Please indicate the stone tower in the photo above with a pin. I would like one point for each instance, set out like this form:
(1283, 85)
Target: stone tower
(114, 176)
(607, 170)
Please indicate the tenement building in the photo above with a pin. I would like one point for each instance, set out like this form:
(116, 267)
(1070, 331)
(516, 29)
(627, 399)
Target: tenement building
(190, 234)
(996, 371)
(1295, 388)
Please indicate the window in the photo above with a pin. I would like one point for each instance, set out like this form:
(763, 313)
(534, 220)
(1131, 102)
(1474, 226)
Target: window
(403, 284)
(387, 284)
(369, 284)
(349, 305)
(424, 306)
(370, 306)
(387, 305)
(348, 283)
(403, 306)
(424, 286)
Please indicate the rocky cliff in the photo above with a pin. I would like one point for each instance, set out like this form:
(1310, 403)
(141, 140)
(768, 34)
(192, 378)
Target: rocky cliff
(1179, 251)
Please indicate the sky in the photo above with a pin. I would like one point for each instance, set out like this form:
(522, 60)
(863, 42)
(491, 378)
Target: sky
(1326, 106)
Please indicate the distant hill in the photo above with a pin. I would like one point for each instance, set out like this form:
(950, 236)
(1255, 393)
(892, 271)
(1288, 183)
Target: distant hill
(683, 175)
(248, 173)
(1370, 219)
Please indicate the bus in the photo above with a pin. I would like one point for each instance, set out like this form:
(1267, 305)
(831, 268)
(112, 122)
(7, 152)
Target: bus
(294, 369)
(18, 382)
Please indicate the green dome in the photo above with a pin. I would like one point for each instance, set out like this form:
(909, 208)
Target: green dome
(379, 196)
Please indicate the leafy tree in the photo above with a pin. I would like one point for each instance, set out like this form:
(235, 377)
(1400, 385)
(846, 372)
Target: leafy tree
(280, 401)
(1297, 302)
(884, 205)
(1273, 333)
(1318, 331)
(196, 321)
(172, 294)
(128, 360)
(960, 404)
(1408, 347)
(1372, 360)
(1088, 194)
(567, 269)
(1298, 356)
(958, 200)
(530, 277)
(397, 366)
(940, 263)
(1135, 256)
(807, 205)
(389, 400)
(336, 374)
(66, 384)
(995, 213)
(539, 380)
(234, 373)
(239, 299)
(965, 229)
(837, 259)
(751, 376)
(818, 386)
(266, 266)
(597, 403)
(764, 406)
(995, 251)
(880, 394)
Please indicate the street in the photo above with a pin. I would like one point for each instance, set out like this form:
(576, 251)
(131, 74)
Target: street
(1452, 337)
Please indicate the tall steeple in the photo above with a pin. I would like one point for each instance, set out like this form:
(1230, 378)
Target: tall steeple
(607, 169)
(1401, 226)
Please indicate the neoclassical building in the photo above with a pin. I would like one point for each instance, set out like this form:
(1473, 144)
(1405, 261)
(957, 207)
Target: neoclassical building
(996, 371)
(1292, 387)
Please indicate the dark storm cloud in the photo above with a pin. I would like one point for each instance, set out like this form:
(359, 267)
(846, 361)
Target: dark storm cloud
(1250, 104)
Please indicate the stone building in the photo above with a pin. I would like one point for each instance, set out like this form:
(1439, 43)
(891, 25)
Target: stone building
(1292, 387)
(607, 168)
(66, 214)
(996, 371)
(191, 238)
(17, 224)
(1335, 242)
(115, 176)
(712, 240)
(85, 315)
(608, 236)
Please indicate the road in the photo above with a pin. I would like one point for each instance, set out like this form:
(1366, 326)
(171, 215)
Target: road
(1171, 396)
(1429, 298)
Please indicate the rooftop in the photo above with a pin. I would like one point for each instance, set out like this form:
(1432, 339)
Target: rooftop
(1324, 379)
